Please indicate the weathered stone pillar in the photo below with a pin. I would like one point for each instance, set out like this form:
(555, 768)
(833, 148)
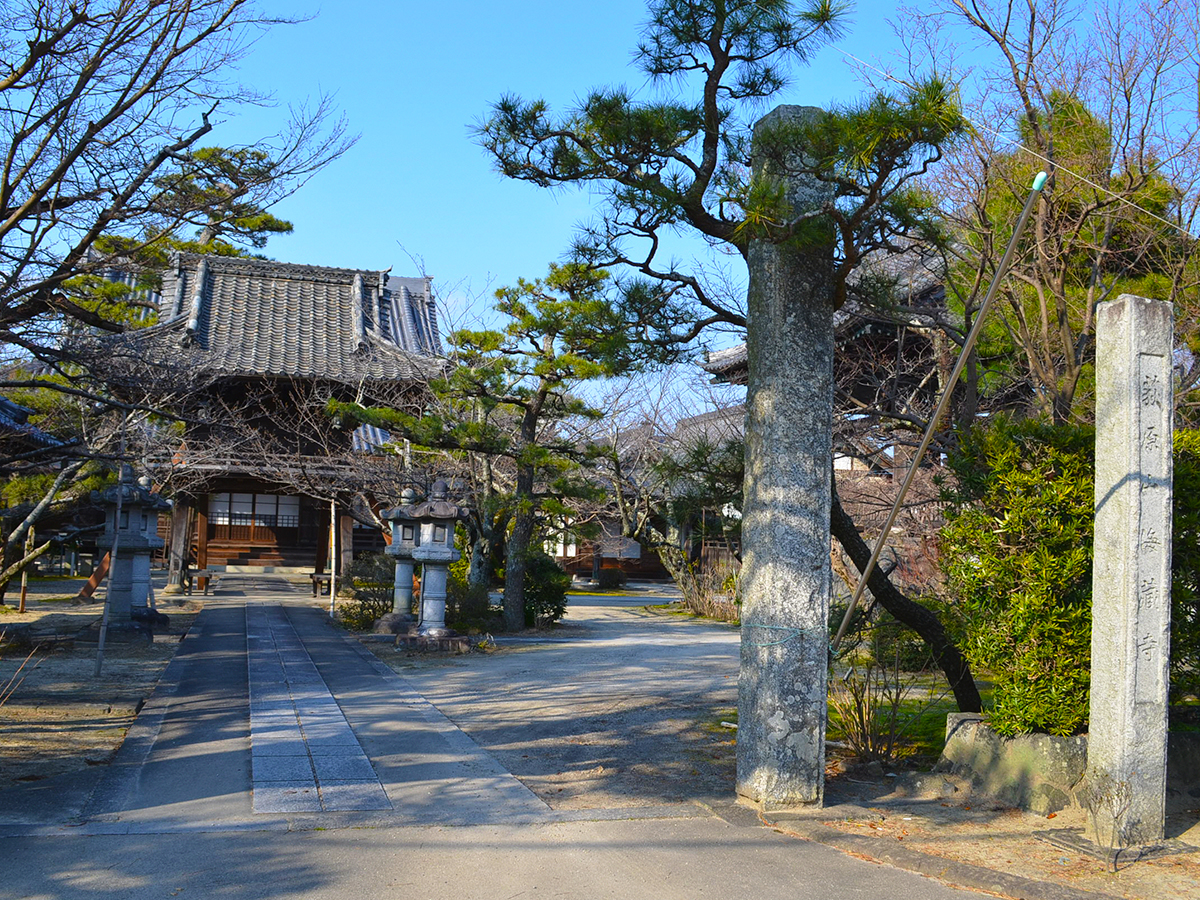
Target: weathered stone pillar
(1131, 582)
(785, 528)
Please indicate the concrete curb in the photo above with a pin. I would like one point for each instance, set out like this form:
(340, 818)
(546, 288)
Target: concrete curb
(955, 873)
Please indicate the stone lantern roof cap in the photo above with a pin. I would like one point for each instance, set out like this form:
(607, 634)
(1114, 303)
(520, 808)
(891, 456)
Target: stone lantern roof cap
(438, 506)
(132, 493)
(403, 512)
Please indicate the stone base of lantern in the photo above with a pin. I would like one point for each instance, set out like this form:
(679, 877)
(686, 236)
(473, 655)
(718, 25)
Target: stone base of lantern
(151, 617)
(126, 632)
(423, 643)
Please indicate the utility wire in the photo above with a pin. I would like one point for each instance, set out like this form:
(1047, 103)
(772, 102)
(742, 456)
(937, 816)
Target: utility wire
(1034, 192)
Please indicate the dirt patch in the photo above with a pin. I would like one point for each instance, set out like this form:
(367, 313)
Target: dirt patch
(605, 748)
(58, 717)
(935, 814)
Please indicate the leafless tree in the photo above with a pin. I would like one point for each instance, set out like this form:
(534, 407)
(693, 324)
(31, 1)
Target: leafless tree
(1102, 96)
(99, 100)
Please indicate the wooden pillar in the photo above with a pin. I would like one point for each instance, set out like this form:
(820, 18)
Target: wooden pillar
(202, 539)
(180, 543)
(93, 582)
(345, 542)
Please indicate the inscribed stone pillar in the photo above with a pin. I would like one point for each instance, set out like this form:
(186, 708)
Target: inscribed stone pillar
(1131, 587)
(785, 528)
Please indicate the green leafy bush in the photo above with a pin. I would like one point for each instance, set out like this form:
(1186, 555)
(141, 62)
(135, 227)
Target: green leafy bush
(897, 646)
(467, 606)
(1017, 552)
(610, 579)
(545, 590)
(1185, 569)
(371, 580)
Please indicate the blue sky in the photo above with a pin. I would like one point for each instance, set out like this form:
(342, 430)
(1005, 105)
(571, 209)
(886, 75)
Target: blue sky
(411, 78)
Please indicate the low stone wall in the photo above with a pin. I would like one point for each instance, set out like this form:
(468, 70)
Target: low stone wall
(1040, 772)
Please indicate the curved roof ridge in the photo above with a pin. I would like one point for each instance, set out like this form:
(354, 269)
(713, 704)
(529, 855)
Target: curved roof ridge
(299, 271)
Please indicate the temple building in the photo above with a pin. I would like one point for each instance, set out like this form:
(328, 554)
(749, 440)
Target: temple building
(249, 354)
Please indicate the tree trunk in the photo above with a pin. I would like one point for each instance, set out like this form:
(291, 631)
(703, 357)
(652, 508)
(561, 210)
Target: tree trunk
(908, 612)
(479, 577)
(517, 555)
(479, 573)
(514, 571)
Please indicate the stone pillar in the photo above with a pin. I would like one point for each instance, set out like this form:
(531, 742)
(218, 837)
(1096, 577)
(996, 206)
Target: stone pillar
(1131, 582)
(402, 593)
(786, 578)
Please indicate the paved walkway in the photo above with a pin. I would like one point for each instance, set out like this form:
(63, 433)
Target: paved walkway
(269, 718)
(279, 758)
(304, 755)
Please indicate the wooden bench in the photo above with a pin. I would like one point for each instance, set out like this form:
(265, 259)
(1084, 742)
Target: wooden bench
(190, 576)
(320, 583)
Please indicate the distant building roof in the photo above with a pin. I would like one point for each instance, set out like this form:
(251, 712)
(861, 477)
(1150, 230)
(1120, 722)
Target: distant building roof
(716, 426)
(15, 426)
(912, 279)
(240, 316)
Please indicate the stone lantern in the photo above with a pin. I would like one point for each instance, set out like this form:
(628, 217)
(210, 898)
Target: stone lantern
(135, 536)
(406, 535)
(435, 550)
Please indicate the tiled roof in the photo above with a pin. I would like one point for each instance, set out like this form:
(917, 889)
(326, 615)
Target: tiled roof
(14, 424)
(258, 317)
(730, 358)
(911, 276)
(715, 426)
(369, 439)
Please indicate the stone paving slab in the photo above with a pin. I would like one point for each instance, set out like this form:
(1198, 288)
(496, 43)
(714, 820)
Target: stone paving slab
(343, 768)
(292, 714)
(282, 768)
(353, 795)
(285, 797)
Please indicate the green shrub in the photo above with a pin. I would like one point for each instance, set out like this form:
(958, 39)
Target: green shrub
(1017, 552)
(1185, 569)
(371, 580)
(545, 590)
(610, 579)
(897, 646)
(467, 605)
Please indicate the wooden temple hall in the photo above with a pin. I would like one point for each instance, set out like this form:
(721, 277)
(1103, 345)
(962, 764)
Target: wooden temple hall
(261, 347)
